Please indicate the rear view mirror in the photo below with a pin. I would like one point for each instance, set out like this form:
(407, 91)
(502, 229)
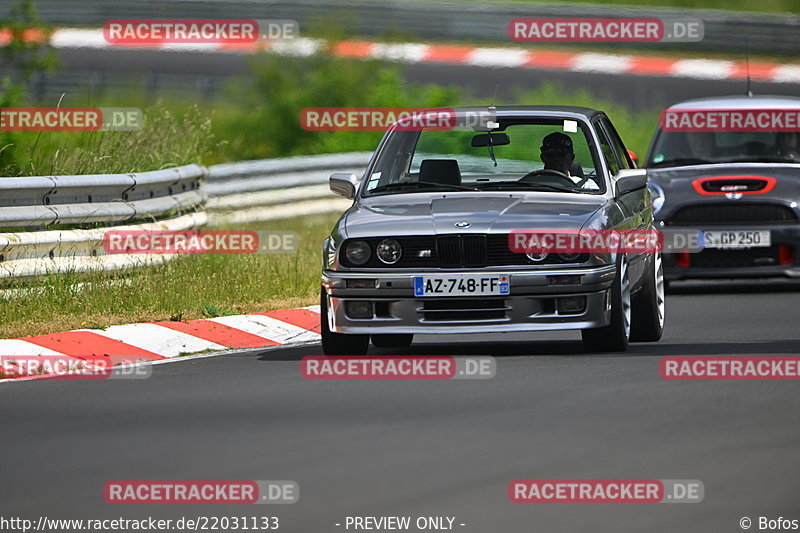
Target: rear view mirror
(490, 139)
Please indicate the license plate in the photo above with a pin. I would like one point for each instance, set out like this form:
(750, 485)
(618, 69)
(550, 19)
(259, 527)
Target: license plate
(736, 239)
(458, 285)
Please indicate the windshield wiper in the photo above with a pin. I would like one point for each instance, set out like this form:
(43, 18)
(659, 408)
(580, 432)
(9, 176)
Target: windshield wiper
(680, 162)
(420, 185)
(764, 159)
(527, 184)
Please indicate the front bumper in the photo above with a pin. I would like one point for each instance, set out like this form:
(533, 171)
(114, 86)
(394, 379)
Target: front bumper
(740, 263)
(530, 306)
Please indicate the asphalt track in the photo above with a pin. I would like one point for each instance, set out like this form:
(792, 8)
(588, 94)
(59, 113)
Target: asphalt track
(436, 448)
(636, 92)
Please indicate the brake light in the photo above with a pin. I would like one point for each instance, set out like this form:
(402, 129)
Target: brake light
(682, 259)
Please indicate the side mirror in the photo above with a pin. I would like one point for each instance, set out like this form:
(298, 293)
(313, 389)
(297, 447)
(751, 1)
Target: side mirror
(629, 179)
(634, 157)
(344, 184)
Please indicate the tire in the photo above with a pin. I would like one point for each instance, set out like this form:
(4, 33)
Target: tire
(647, 307)
(339, 343)
(615, 336)
(399, 340)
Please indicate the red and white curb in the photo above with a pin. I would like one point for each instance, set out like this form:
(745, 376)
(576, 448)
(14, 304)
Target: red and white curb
(508, 57)
(158, 341)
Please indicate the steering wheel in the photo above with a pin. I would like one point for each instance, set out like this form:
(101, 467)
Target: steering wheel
(530, 177)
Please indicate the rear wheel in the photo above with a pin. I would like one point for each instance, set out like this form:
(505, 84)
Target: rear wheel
(647, 316)
(615, 336)
(399, 340)
(339, 343)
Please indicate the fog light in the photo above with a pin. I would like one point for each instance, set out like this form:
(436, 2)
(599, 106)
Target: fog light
(785, 254)
(358, 309)
(362, 283)
(571, 305)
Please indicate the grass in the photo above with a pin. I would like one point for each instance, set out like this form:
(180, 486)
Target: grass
(168, 139)
(190, 287)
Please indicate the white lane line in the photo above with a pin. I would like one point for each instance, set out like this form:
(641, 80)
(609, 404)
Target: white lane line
(406, 53)
(609, 64)
(158, 339)
(302, 47)
(268, 328)
(497, 57)
(707, 69)
(78, 38)
(786, 74)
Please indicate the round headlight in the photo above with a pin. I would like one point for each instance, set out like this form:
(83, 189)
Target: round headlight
(536, 257)
(358, 252)
(389, 251)
(570, 257)
(657, 196)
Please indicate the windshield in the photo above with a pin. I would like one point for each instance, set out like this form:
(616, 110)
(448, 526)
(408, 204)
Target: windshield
(551, 155)
(681, 148)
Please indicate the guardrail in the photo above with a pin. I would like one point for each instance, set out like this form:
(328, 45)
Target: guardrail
(182, 198)
(51, 200)
(459, 21)
(272, 189)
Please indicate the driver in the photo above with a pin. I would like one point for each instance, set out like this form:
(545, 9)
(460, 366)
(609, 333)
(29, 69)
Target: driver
(557, 153)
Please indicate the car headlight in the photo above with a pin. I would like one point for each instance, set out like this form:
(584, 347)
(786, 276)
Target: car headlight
(657, 196)
(570, 257)
(389, 251)
(358, 252)
(536, 257)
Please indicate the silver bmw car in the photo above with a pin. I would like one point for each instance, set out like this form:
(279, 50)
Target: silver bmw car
(427, 246)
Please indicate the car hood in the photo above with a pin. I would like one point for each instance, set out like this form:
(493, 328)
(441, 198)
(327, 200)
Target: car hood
(702, 184)
(486, 213)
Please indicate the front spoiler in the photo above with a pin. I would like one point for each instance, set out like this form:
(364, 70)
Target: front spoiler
(529, 307)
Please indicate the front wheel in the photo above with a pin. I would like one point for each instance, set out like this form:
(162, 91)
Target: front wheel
(339, 343)
(647, 324)
(615, 336)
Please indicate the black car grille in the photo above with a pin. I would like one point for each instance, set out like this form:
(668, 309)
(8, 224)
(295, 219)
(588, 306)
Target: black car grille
(732, 214)
(458, 310)
(454, 251)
